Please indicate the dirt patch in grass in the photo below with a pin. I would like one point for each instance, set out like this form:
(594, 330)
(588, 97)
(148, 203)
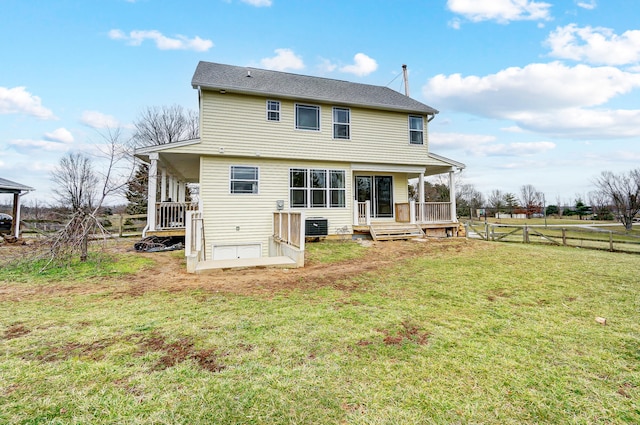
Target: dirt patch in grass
(172, 353)
(179, 351)
(169, 273)
(15, 331)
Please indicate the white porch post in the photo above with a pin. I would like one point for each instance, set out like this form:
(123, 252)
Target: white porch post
(172, 195)
(452, 196)
(421, 198)
(368, 213)
(16, 215)
(181, 191)
(152, 188)
(163, 185)
(412, 212)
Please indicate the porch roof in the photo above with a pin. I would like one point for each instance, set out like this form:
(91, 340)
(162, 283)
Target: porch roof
(185, 165)
(8, 186)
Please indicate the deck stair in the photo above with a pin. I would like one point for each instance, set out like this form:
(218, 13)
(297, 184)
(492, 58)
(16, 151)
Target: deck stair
(395, 231)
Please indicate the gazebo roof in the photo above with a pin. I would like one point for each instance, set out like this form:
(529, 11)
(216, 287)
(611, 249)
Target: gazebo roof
(7, 186)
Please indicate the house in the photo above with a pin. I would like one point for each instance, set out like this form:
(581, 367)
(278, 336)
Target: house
(282, 155)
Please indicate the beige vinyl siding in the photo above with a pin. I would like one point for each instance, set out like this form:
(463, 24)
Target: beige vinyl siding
(237, 125)
(248, 218)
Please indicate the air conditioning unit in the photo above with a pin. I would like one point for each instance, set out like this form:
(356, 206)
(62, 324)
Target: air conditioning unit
(316, 226)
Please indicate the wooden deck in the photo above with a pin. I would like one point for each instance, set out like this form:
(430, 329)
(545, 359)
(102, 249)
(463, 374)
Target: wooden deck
(438, 230)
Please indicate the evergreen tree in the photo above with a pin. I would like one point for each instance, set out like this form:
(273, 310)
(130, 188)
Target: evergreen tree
(137, 191)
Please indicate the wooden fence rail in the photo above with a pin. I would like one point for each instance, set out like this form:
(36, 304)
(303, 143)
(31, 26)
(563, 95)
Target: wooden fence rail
(566, 235)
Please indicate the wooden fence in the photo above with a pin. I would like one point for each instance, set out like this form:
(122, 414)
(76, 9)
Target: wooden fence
(119, 224)
(566, 235)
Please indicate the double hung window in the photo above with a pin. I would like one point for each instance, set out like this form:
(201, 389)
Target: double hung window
(273, 110)
(341, 123)
(416, 130)
(317, 188)
(243, 179)
(307, 117)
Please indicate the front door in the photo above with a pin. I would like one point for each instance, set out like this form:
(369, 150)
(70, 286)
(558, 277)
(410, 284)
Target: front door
(379, 191)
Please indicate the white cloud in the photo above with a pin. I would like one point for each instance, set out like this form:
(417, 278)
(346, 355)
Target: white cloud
(258, 3)
(95, 119)
(284, 60)
(551, 98)
(595, 45)
(326, 66)
(61, 135)
(179, 42)
(502, 11)
(18, 100)
(587, 4)
(485, 145)
(45, 145)
(363, 65)
(536, 87)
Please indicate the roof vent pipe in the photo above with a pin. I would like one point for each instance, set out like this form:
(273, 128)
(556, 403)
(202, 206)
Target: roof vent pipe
(249, 73)
(405, 74)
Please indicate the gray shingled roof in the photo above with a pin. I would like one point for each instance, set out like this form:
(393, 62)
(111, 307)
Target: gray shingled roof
(7, 186)
(263, 82)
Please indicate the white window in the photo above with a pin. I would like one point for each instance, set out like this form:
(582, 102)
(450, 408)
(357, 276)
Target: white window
(416, 130)
(317, 188)
(273, 110)
(341, 123)
(243, 179)
(307, 117)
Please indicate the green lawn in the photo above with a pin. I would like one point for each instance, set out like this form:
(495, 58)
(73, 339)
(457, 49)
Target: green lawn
(466, 332)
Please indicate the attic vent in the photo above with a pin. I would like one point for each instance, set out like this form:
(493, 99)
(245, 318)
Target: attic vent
(249, 73)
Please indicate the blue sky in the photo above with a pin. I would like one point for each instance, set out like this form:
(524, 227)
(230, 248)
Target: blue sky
(529, 92)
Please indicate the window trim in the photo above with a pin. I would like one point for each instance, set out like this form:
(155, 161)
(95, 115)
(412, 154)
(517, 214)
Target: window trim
(347, 124)
(257, 180)
(326, 187)
(418, 131)
(278, 111)
(318, 109)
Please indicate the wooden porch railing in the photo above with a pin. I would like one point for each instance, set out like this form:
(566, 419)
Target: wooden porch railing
(421, 213)
(288, 227)
(433, 212)
(172, 215)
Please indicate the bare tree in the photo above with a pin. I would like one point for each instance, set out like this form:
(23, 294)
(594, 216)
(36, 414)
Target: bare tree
(159, 125)
(83, 190)
(495, 200)
(468, 199)
(623, 191)
(531, 199)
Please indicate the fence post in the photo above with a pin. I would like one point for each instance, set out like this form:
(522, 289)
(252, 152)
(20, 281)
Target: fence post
(610, 241)
(564, 236)
(525, 234)
(486, 230)
(121, 226)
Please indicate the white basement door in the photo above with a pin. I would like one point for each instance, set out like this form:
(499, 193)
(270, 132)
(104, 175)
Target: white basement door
(232, 252)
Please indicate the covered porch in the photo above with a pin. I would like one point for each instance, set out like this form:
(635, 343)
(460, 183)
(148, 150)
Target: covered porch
(430, 218)
(169, 200)
(18, 191)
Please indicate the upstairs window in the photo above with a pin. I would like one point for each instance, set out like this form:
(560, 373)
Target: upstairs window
(307, 117)
(243, 179)
(341, 123)
(416, 130)
(273, 110)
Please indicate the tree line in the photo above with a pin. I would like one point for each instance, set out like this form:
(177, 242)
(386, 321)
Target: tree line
(616, 196)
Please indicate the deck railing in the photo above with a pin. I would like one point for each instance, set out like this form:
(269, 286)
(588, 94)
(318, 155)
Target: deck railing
(433, 212)
(288, 227)
(362, 213)
(172, 215)
(421, 213)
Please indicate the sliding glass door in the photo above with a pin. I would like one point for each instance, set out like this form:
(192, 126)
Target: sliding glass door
(379, 191)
